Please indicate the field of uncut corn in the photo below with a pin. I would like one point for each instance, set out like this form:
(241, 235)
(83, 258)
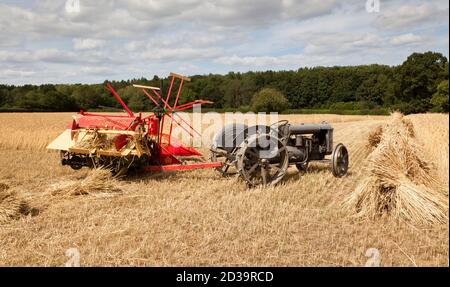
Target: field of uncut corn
(394, 199)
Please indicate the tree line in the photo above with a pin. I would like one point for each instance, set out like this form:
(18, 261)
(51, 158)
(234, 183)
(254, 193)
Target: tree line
(419, 84)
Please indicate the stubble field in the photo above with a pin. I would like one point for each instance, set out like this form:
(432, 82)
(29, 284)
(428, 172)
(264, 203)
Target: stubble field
(198, 218)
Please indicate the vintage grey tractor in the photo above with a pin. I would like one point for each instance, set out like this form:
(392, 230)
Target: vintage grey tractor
(261, 154)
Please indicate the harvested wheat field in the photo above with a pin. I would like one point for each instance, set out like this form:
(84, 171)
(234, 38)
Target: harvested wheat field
(394, 199)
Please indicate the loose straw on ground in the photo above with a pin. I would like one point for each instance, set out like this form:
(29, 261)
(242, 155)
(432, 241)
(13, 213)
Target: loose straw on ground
(11, 204)
(98, 180)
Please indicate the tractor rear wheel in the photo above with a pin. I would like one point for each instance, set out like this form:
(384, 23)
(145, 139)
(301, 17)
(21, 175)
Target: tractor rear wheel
(262, 160)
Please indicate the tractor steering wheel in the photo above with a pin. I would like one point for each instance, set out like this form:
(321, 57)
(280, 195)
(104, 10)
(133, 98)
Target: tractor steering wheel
(280, 128)
(280, 123)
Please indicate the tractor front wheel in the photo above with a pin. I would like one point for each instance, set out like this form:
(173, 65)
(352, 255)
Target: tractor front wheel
(339, 161)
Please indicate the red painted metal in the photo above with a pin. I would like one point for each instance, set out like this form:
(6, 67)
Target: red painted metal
(103, 115)
(171, 148)
(173, 110)
(178, 94)
(150, 97)
(104, 122)
(191, 104)
(120, 141)
(153, 126)
(175, 104)
(116, 95)
(182, 166)
(174, 146)
(166, 147)
(165, 103)
(170, 89)
(166, 156)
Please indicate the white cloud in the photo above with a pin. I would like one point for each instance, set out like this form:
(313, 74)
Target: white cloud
(96, 70)
(235, 60)
(15, 73)
(180, 54)
(87, 44)
(308, 8)
(290, 61)
(406, 39)
(47, 55)
(133, 38)
(342, 43)
(411, 15)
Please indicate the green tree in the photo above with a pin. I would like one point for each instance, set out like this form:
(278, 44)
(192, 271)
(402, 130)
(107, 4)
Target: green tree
(269, 100)
(138, 103)
(29, 101)
(372, 91)
(86, 97)
(418, 78)
(440, 98)
(56, 101)
(233, 93)
(306, 89)
(4, 94)
(411, 87)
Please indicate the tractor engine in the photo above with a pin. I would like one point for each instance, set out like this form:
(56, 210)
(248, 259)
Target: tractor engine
(309, 142)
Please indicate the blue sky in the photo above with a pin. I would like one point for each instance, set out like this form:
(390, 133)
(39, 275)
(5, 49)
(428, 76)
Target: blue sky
(52, 41)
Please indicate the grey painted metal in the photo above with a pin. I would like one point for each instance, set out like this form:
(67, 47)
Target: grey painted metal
(229, 137)
(309, 128)
(246, 149)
